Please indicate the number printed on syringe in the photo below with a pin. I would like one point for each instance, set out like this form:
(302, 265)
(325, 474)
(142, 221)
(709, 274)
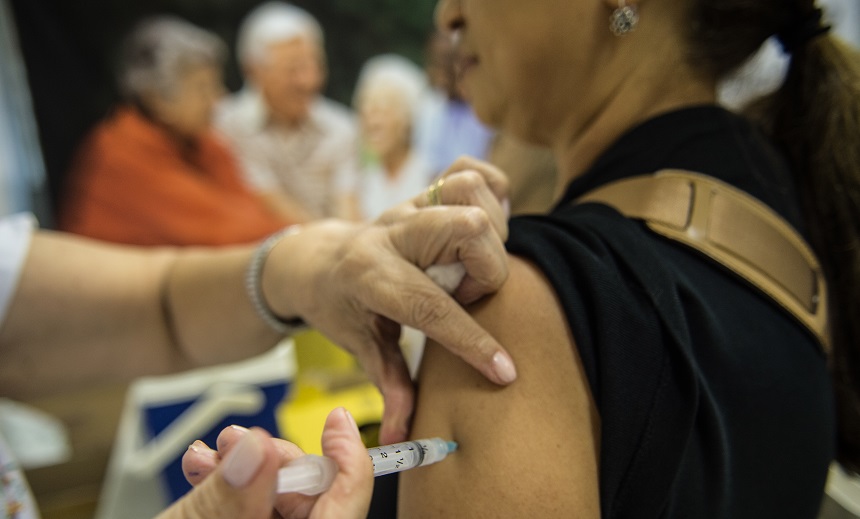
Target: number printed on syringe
(311, 474)
(397, 457)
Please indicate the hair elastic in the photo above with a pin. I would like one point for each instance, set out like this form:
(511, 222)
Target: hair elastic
(801, 30)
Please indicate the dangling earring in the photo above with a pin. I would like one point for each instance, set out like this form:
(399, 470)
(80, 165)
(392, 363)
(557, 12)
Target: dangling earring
(623, 19)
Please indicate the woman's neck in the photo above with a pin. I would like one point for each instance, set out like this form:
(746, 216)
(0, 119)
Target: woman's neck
(645, 93)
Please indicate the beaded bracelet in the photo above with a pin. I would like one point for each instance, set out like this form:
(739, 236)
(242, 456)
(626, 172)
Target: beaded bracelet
(254, 286)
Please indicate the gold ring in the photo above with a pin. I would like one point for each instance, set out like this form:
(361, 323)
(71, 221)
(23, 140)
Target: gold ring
(434, 192)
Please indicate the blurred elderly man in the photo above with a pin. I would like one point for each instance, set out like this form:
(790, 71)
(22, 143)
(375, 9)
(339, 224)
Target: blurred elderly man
(296, 147)
(154, 172)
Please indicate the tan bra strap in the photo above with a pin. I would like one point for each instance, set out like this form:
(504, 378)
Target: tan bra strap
(734, 229)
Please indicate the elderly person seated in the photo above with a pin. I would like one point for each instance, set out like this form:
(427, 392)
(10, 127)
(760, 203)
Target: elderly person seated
(154, 172)
(388, 94)
(296, 147)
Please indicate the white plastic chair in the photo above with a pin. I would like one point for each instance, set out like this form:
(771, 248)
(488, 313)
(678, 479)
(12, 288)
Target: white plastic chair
(844, 489)
(163, 415)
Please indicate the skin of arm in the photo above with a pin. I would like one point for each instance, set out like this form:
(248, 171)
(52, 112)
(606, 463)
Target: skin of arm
(526, 450)
(86, 312)
(82, 305)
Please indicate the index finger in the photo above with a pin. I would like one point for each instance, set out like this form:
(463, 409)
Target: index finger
(442, 237)
(423, 305)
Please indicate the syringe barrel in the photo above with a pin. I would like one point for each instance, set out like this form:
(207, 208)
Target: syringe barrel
(397, 457)
(311, 474)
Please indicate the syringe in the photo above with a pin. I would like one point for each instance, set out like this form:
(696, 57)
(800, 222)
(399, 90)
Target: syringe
(312, 474)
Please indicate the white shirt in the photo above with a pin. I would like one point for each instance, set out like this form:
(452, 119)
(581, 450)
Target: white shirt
(314, 163)
(378, 192)
(15, 233)
(16, 501)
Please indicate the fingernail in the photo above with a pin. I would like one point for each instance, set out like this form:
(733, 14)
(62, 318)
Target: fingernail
(506, 206)
(243, 461)
(239, 428)
(198, 447)
(352, 421)
(504, 368)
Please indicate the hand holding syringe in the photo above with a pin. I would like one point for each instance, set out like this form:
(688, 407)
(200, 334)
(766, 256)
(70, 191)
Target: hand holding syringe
(312, 474)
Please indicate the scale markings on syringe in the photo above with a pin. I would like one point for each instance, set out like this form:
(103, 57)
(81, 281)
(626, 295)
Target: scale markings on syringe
(312, 474)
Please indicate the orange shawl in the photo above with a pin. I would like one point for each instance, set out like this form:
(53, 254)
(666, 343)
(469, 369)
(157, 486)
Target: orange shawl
(133, 183)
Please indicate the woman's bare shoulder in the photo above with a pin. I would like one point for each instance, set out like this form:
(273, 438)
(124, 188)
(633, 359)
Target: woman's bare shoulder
(528, 450)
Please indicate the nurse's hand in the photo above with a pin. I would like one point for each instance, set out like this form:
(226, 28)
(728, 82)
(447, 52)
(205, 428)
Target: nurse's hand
(357, 283)
(238, 480)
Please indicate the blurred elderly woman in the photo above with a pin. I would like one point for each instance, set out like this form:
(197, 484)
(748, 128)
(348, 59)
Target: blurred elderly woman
(388, 95)
(153, 172)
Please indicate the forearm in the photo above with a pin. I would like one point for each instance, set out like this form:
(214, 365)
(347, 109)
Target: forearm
(208, 310)
(86, 312)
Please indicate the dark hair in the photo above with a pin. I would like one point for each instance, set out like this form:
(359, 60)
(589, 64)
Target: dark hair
(815, 119)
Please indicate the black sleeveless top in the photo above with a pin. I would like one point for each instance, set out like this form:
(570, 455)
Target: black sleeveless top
(713, 401)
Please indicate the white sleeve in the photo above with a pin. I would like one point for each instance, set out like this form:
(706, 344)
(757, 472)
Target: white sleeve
(15, 234)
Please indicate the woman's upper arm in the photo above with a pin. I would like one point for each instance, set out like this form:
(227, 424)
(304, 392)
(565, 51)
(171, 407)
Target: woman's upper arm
(526, 450)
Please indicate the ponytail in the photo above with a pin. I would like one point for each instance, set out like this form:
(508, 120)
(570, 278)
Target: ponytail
(815, 119)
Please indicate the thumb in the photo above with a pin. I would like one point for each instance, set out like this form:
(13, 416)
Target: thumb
(351, 490)
(242, 487)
